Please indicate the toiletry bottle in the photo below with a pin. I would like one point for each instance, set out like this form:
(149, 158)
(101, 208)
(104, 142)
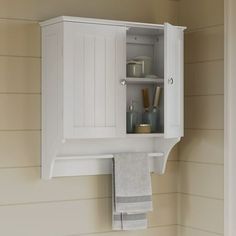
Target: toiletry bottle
(131, 119)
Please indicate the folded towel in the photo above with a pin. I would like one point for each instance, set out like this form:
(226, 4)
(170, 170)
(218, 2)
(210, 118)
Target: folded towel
(132, 191)
(125, 221)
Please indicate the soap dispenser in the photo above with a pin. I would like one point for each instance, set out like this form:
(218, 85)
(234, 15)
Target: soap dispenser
(131, 118)
(151, 115)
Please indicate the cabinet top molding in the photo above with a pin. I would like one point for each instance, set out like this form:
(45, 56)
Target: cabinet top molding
(102, 21)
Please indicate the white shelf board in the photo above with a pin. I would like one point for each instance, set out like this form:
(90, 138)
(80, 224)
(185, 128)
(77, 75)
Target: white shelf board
(149, 135)
(134, 80)
(98, 165)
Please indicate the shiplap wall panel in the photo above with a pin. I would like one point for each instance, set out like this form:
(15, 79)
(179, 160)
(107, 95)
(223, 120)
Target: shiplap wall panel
(204, 78)
(205, 146)
(202, 213)
(204, 45)
(201, 152)
(204, 112)
(20, 112)
(19, 38)
(184, 231)
(20, 75)
(164, 210)
(210, 183)
(56, 218)
(22, 185)
(201, 13)
(75, 217)
(19, 148)
(151, 11)
(168, 182)
(165, 11)
(165, 230)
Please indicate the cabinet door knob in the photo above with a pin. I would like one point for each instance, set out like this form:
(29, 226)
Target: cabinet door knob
(170, 81)
(123, 82)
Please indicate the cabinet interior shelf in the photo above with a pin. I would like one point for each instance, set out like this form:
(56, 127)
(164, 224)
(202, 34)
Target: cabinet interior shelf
(134, 80)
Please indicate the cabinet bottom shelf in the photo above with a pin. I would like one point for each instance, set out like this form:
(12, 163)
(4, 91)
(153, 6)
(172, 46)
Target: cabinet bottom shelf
(149, 135)
(97, 165)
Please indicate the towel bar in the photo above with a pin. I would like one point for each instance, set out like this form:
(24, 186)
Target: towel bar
(97, 165)
(105, 156)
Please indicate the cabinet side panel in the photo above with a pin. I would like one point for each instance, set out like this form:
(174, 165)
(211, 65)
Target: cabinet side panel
(50, 107)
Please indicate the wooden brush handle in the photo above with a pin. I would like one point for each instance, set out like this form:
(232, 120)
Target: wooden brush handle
(156, 97)
(145, 98)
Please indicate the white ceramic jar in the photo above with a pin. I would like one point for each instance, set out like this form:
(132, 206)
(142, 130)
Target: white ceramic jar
(134, 69)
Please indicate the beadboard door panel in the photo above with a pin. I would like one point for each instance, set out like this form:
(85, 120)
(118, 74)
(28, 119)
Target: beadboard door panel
(94, 58)
(173, 81)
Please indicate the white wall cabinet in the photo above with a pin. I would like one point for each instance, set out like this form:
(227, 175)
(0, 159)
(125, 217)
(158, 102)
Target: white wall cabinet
(86, 90)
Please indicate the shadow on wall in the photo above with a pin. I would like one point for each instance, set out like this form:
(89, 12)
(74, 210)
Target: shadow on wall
(156, 11)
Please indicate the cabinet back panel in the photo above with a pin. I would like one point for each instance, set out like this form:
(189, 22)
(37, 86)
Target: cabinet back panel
(134, 93)
(149, 43)
(159, 57)
(136, 50)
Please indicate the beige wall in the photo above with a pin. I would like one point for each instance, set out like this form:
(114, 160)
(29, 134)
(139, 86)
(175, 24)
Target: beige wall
(63, 206)
(201, 151)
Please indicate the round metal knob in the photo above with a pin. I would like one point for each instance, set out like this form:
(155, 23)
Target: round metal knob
(123, 82)
(170, 81)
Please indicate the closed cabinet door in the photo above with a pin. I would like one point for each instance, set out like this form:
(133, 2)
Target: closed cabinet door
(173, 81)
(94, 63)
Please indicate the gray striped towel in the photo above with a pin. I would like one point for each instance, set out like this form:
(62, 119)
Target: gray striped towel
(131, 184)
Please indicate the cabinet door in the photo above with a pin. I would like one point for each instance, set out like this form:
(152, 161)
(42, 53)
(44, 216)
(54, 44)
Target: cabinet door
(173, 81)
(94, 99)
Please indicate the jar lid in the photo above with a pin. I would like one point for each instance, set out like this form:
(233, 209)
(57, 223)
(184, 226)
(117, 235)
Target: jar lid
(144, 125)
(134, 63)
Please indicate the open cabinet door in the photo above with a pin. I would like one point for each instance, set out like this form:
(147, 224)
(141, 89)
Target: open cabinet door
(173, 81)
